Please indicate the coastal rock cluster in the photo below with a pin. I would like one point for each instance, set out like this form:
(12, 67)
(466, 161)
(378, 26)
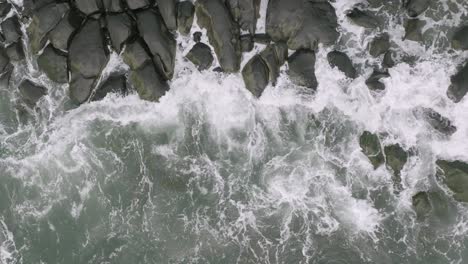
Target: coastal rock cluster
(72, 42)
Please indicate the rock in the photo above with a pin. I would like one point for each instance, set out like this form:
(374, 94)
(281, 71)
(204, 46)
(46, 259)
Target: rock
(87, 6)
(245, 13)
(222, 31)
(246, 42)
(460, 38)
(112, 6)
(379, 45)
(314, 22)
(374, 83)
(421, 205)
(11, 29)
(363, 18)
(455, 176)
(370, 146)
(114, 84)
(388, 61)
(262, 39)
(148, 83)
(396, 158)
(413, 30)
(87, 58)
(4, 60)
(61, 33)
(15, 51)
(31, 92)
(120, 29)
(160, 41)
(5, 8)
(197, 36)
(438, 122)
(302, 68)
(135, 55)
(459, 85)
(54, 64)
(137, 4)
(273, 56)
(43, 21)
(185, 14)
(168, 12)
(416, 7)
(256, 75)
(201, 56)
(342, 62)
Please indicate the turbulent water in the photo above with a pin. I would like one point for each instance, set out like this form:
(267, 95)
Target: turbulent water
(211, 174)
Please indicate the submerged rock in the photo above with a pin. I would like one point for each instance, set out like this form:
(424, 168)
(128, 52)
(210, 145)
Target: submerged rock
(371, 147)
(31, 92)
(416, 7)
(222, 31)
(455, 176)
(185, 14)
(388, 61)
(342, 62)
(379, 45)
(167, 8)
(314, 22)
(114, 84)
(160, 41)
(459, 85)
(302, 69)
(421, 205)
(54, 64)
(11, 29)
(374, 83)
(460, 38)
(396, 158)
(256, 75)
(363, 18)
(201, 56)
(245, 13)
(413, 30)
(120, 29)
(87, 58)
(438, 122)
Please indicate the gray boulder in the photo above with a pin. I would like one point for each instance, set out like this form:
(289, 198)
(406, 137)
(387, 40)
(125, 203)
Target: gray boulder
(247, 43)
(413, 30)
(379, 45)
(61, 33)
(137, 4)
(223, 32)
(185, 14)
(274, 56)
(168, 12)
(120, 29)
(5, 8)
(160, 41)
(112, 6)
(363, 18)
(371, 147)
(342, 62)
(302, 68)
(396, 158)
(262, 38)
(135, 55)
(388, 61)
(256, 75)
(15, 51)
(4, 60)
(201, 56)
(87, 6)
(54, 64)
(11, 29)
(197, 36)
(455, 176)
(416, 7)
(43, 21)
(460, 38)
(245, 13)
(114, 84)
(31, 92)
(440, 123)
(149, 84)
(314, 22)
(87, 58)
(459, 85)
(374, 83)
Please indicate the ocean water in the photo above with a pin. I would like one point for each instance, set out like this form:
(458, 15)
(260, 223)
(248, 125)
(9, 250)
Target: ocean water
(211, 174)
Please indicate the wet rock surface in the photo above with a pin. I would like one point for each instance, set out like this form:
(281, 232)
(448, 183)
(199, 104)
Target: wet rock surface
(459, 84)
(363, 18)
(372, 148)
(302, 68)
(201, 56)
(31, 92)
(341, 61)
(54, 64)
(455, 176)
(374, 81)
(438, 122)
(379, 45)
